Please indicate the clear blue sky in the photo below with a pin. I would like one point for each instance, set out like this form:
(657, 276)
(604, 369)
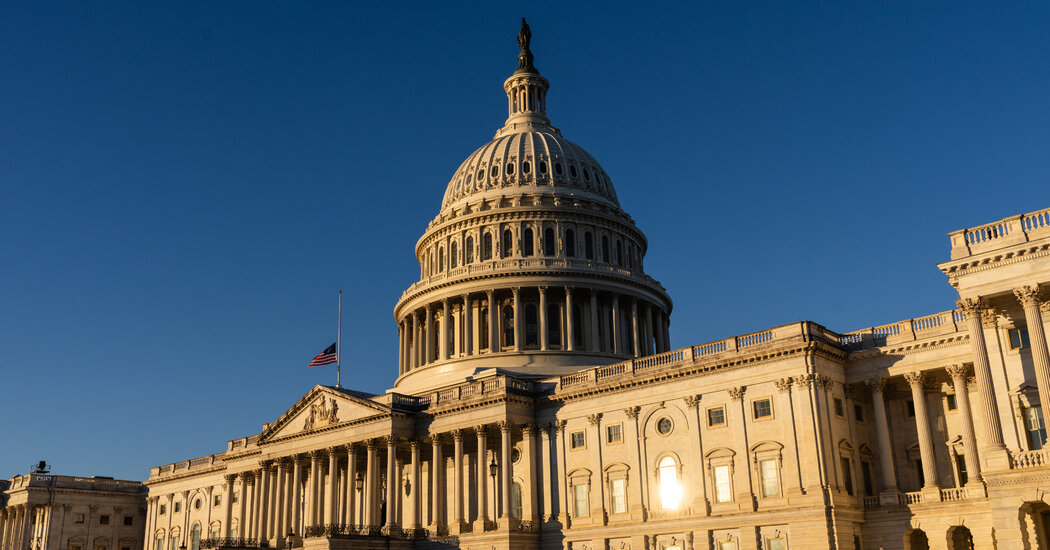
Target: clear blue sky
(185, 186)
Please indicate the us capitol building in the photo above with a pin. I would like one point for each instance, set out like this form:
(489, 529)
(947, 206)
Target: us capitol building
(539, 401)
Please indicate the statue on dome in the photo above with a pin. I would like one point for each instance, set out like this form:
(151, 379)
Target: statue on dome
(525, 57)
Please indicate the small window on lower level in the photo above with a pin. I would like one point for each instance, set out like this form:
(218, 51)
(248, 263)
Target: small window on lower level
(79, 518)
(763, 408)
(614, 433)
(103, 519)
(716, 417)
(858, 413)
(129, 521)
(950, 403)
(1018, 338)
(840, 409)
(578, 440)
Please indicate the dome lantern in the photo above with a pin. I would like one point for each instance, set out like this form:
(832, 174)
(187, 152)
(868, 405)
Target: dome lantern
(526, 89)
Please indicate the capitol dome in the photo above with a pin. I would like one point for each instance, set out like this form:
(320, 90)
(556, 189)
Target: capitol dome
(531, 266)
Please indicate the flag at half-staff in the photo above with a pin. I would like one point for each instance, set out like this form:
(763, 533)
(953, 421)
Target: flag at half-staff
(329, 356)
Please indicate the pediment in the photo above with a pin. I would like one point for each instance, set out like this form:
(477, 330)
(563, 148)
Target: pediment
(322, 407)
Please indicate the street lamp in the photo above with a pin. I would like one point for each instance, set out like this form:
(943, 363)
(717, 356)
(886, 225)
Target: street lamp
(493, 469)
(359, 484)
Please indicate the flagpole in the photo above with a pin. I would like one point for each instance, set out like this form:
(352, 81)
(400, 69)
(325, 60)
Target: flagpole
(338, 337)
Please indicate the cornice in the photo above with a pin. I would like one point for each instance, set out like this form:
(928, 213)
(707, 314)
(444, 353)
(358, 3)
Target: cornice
(187, 475)
(971, 265)
(914, 346)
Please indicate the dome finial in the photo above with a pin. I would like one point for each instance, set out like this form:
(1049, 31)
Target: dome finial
(525, 57)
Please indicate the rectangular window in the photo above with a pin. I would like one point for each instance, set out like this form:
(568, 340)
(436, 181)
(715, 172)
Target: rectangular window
(768, 473)
(129, 521)
(174, 543)
(79, 518)
(949, 402)
(233, 498)
(100, 547)
(763, 408)
(160, 544)
(1036, 429)
(579, 494)
(163, 509)
(840, 409)
(847, 475)
(103, 519)
(217, 500)
(577, 440)
(919, 474)
(178, 507)
(727, 545)
(960, 466)
(74, 547)
(858, 413)
(911, 409)
(778, 544)
(865, 472)
(619, 496)
(1018, 338)
(716, 416)
(614, 433)
(723, 484)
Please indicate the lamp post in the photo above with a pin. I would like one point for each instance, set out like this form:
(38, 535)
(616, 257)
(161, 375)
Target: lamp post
(493, 470)
(359, 484)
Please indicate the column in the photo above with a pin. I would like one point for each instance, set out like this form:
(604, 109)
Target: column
(400, 348)
(517, 318)
(429, 341)
(416, 489)
(888, 475)
(468, 331)
(443, 344)
(483, 498)
(297, 473)
(962, 400)
(528, 435)
(416, 346)
(329, 492)
(1029, 297)
(437, 464)
(242, 519)
(457, 468)
(264, 501)
(493, 335)
(351, 484)
(391, 473)
(665, 325)
(596, 339)
(615, 336)
(972, 309)
(504, 428)
(280, 527)
(570, 338)
(634, 328)
(544, 345)
(313, 501)
(922, 428)
(648, 332)
(546, 460)
(661, 344)
(227, 508)
(368, 498)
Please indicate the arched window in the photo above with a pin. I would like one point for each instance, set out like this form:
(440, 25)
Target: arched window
(619, 253)
(605, 248)
(441, 259)
(508, 326)
(670, 490)
(486, 247)
(588, 246)
(527, 244)
(531, 330)
(483, 328)
(553, 325)
(548, 242)
(570, 243)
(515, 500)
(453, 255)
(470, 250)
(195, 537)
(508, 243)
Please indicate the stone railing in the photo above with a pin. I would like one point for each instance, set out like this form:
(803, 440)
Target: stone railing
(518, 265)
(234, 543)
(73, 482)
(871, 503)
(202, 463)
(341, 530)
(911, 498)
(1029, 459)
(1005, 232)
(945, 322)
(953, 494)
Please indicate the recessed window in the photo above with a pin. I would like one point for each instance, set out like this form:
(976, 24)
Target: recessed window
(579, 494)
(586, 174)
(839, 408)
(723, 484)
(619, 496)
(510, 168)
(79, 518)
(664, 426)
(578, 440)
(129, 521)
(234, 498)
(178, 507)
(543, 167)
(949, 402)
(481, 174)
(163, 509)
(858, 413)
(1018, 338)
(197, 504)
(847, 475)
(763, 408)
(515, 455)
(572, 170)
(525, 167)
(557, 168)
(468, 178)
(716, 417)
(670, 489)
(75, 547)
(103, 519)
(911, 409)
(614, 433)
(767, 470)
(494, 172)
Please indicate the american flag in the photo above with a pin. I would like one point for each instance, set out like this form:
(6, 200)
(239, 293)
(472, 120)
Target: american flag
(326, 357)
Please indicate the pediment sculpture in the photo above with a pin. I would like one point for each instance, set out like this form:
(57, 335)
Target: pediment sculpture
(322, 413)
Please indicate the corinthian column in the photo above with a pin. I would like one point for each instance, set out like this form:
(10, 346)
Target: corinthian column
(391, 481)
(504, 428)
(1029, 298)
(437, 464)
(596, 338)
(634, 328)
(517, 318)
(983, 372)
(369, 501)
(330, 500)
(543, 318)
(922, 428)
(414, 446)
(349, 516)
(616, 332)
(443, 344)
(483, 499)
(457, 477)
(962, 397)
(468, 344)
(493, 310)
(280, 514)
(882, 429)
(429, 346)
(570, 320)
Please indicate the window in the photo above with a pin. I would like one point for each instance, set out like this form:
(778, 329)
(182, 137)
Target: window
(579, 497)
(847, 474)
(723, 484)
(614, 433)
(441, 259)
(960, 467)
(865, 473)
(195, 537)
(197, 504)
(508, 243)
(494, 171)
(577, 440)
(727, 545)
(75, 547)
(453, 260)
(716, 417)
(858, 413)
(619, 496)
(486, 247)
(234, 498)
(100, 547)
(510, 168)
(779, 544)
(469, 251)
(543, 167)
(950, 403)
(548, 242)
(175, 543)
(619, 253)
(103, 519)
(763, 408)
(481, 174)
(767, 470)
(605, 249)
(129, 521)
(508, 325)
(1036, 430)
(572, 170)
(525, 167)
(670, 490)
(553, 325)
(577, 326)
(527, 243)
(163, 509)
(160, 544)
(588, 246)
(79, 518)
(911, 409)
(557, 168)
(217, 500)
(515, 455)
(570, 243)
(840, 409)
(532, 333)
(664, 426)
(178, 507)
(515, 500)
(919, 474)
(483, 328)
(1018, 338)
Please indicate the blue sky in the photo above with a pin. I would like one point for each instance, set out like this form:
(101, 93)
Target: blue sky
(184, 187)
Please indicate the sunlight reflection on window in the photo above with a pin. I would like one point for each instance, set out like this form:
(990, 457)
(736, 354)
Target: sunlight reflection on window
(670, 489)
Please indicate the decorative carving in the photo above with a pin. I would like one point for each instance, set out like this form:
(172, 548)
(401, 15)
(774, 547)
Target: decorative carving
(322, 413)
(783, 384)
(970, 306)
(803, 382)
(989, 318)
(594, 419)
(480, 430)
(915, 378)
(692, 401)
(1028, 295)
(876, 385)
(971, 382)
(504, 425)
(525, 57)
(847, 391)
(527, 429)
(559, 425)
(632, 412)
(737, 393)
(457, 434)
(957, 372)
(824, 381)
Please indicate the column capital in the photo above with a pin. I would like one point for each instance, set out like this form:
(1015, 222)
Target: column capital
(957, 372)
(595, 419)
(428, 308)
(632, 412)
(545, 431)
(265, 464)
(504, 425)
(559, 425)
(847, 391)
(915, 378)
(876, 385)
(317, 454)
(737, 393)
(804, 381)
(480, 430)
(435, 439)
(542, 289)
(970, 306)
(371, 445)
(692, 401)
(527, 429)
(350, 448)
(228, 480)
(1028, 295)
(783, 384)
(392, 440)
(246, 477)
(457, 434)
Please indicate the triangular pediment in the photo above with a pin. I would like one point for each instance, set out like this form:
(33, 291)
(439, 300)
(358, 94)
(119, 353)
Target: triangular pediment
(321, 408)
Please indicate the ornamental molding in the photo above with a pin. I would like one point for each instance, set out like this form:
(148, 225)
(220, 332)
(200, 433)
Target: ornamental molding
(913, 347)
(957, 372)
(736, 393)
(1028, 295)
(594, 419)
(322, 413)
(692, 401)
(632, 412)
(1012, 257)
(783, 384)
